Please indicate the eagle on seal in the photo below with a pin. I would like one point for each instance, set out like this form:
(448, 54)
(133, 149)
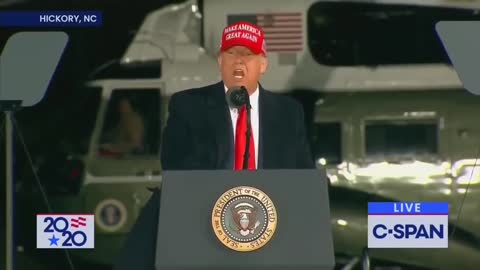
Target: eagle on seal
(245, 217)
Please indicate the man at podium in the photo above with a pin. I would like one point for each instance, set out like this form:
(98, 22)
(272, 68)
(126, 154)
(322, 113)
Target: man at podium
(205, 132)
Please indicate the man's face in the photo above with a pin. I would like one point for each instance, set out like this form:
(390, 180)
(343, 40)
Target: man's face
(240, 66)
(124, 106)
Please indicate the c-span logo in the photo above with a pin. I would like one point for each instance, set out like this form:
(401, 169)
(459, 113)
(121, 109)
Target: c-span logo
(65, 231)
(244, 218)
(408, 225)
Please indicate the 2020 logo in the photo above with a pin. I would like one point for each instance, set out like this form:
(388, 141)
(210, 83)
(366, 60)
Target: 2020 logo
(65, 231)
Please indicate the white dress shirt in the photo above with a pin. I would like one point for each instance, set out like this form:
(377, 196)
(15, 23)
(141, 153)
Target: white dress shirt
(253, 118)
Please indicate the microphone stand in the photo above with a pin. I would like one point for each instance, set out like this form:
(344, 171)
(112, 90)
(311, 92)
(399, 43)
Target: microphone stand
(246, 155)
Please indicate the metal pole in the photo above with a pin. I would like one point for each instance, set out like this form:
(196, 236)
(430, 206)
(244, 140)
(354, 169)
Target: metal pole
(9, 189)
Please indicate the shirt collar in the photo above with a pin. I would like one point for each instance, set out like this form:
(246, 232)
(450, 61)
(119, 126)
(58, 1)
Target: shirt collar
(253, 97)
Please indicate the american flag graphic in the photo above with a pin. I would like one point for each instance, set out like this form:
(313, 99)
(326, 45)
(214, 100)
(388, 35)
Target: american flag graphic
(283, 31)
(78, 222)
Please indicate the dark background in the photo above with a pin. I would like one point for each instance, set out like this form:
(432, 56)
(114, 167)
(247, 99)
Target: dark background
(46, 124)
(42, 126)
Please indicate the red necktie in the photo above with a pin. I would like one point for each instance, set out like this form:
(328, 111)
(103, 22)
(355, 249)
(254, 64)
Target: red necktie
(241, 142)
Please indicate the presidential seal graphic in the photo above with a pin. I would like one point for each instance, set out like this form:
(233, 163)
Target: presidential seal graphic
(244, 218)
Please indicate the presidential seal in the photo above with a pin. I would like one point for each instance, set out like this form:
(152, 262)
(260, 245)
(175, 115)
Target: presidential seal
(244, 218)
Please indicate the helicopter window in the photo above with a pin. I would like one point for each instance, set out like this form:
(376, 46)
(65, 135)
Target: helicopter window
(400, 138)
(327, 143)
(132, 123)
(357, 34)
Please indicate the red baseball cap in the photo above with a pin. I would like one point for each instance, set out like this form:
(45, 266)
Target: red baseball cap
(244, 34)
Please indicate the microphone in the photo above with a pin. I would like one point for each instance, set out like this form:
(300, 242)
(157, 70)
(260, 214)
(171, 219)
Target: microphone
(237, 97)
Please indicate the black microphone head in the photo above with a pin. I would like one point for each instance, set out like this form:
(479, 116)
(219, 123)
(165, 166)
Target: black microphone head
(237, 97)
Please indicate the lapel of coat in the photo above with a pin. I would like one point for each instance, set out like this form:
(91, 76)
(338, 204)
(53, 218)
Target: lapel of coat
(269, 129)
(220, 124)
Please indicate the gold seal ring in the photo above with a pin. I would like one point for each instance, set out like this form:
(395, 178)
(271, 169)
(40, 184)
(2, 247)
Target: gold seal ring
(244, 218)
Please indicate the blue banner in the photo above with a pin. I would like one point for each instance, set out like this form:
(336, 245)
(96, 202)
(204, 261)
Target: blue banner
(408, 208)
(51, 18)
